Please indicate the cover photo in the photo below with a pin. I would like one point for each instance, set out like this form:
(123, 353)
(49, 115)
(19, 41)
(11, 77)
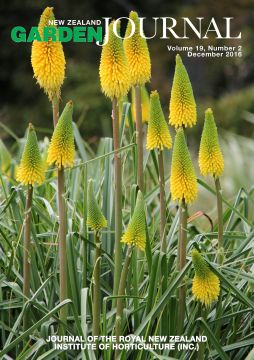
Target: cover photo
(127, 180)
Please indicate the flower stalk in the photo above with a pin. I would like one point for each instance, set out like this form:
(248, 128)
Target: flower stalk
(62, 242)
(61, 152)
(121, 292)
(26, 258)
(96, 287)
(162, 203)
(220, 252)
(96, 221)
(182, 242)
(220, 256)
(84, 249)
(62, 225)
(202, 346)
(30, 171)
(115, 84)
(163, 248)
(118, 195)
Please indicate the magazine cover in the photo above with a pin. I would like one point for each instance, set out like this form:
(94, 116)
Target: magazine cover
(127, 180)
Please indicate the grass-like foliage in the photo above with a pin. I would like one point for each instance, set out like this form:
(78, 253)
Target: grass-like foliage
(144, 304)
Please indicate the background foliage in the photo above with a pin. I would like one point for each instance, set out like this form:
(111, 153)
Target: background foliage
(226, 84)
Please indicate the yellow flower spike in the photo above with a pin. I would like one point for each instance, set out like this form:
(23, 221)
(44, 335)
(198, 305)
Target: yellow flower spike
(135, 233)
(182, 107)
(48, 59)
(137, 53)
(61, 148)
(205, 284)
(145, 104)
(95, 219)
(158, 135)
(183, 180)
(31, 169)
(114, 72)
(210, 156)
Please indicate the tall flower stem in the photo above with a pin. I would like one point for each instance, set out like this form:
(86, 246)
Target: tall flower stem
(139, 137)
(121, 291)
(220, 220)
(84, 252)
(62, 224)
(220, 254)
(96, 288)
(62, 243)
(162, 203)
(202, 347)
(26, 261)
(118, 196)
(163, 271)
(182, 262)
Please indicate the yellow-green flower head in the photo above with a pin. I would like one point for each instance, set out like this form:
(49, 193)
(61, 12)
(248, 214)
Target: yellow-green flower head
(205, 284)
(210, 156)
(48, 59)
(158, 135)
(183, 180)
(31, 169)
(137, 53)
(135, 233)
(61, 148)
(114, 71)
(182, 107)
(95, 219)
(145, 104)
